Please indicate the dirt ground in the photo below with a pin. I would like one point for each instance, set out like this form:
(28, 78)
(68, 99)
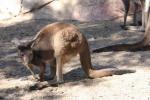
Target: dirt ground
(16, 82)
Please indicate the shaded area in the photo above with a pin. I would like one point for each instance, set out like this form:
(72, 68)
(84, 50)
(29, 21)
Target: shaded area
(122, 47)
(18, 93)
(11, 66)
(142, 44)
(26, 30)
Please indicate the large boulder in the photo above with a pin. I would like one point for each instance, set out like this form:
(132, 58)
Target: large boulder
(83, 10)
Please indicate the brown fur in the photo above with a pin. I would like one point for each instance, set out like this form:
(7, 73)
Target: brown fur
(57, 43)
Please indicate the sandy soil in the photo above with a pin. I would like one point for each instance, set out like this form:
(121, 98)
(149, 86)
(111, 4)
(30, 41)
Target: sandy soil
(16, 82)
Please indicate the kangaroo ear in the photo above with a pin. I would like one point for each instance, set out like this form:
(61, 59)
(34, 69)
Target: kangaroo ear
(16, 41)
(29, 44)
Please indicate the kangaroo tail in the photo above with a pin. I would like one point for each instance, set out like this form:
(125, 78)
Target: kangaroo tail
(85, 59)
(109, 72)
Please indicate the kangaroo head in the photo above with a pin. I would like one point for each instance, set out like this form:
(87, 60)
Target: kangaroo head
(25, 52)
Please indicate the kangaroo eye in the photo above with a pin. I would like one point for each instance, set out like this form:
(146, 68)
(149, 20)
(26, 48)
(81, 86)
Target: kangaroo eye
(21, 54)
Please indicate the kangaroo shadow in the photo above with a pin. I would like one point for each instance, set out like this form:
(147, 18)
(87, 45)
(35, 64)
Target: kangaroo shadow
(115, 48)
(77, 76)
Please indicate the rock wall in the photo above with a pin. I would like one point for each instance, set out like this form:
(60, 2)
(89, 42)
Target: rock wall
(83, 10)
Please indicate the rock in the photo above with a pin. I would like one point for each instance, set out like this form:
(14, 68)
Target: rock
(82, 10)
(38, 86)
(9, 8)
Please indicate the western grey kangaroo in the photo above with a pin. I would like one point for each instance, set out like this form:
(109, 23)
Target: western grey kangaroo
(56, 44)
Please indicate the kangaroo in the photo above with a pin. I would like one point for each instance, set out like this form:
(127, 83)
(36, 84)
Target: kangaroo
(56, 44)
(145, 12)
(127, 6)
(140, 45)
